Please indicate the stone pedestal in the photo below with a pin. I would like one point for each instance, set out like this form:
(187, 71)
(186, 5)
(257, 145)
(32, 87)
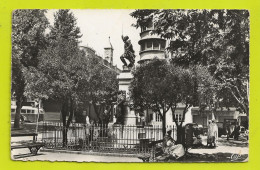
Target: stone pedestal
(125, 78)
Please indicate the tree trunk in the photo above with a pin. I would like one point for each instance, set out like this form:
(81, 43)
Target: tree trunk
(18, 113)
(71, 113)
(64, 111)
(164, 124)
(97, 110)
(64, 136)
(180, 135)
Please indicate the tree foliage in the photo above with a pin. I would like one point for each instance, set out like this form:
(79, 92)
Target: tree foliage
(99, 89)
(61, 66)
(218, 39)
(66, 75)
(28, 39)
(161, 86)
(65, 26)
(152, 88)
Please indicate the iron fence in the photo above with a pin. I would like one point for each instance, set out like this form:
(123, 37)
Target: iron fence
(101, 138)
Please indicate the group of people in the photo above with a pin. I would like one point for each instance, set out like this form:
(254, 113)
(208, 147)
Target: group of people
(232, 130)
(173, 150)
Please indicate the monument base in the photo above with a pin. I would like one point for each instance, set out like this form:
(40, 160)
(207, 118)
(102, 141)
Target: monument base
(127, 69)
(125, 78)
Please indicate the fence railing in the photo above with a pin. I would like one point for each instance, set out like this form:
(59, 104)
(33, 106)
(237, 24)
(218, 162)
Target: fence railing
(101, 138)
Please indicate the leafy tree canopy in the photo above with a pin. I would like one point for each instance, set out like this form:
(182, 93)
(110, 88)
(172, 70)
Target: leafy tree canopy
(161, 86)
(218, 39)
(28, 38)
(65, 26)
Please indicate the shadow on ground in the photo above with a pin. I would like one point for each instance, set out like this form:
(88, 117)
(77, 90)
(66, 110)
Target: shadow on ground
(25, 155)
(216, 157)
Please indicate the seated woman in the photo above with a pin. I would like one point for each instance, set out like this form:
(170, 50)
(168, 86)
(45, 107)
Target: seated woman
(171, 149)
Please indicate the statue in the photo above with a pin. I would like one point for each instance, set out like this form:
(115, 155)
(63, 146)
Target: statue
(129, 52)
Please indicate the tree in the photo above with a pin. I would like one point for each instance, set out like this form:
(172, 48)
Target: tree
(66, 75)
(62, 65)
(218, 39)
(28, 39)
(161, 86)
(100, 89)
(151, 88)
(65, 26)
(190, 84)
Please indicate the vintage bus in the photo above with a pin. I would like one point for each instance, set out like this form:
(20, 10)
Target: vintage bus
(29, 112)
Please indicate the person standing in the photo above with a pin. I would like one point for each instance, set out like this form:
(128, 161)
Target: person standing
(236, 131)
(228, 129)
(215, 132)
(211, 135)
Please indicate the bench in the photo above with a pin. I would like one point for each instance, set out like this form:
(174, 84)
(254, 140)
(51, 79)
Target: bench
(32, 146)
(19, 134)
(151, 144)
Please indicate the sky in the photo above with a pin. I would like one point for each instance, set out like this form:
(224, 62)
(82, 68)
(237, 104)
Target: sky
(97, 25)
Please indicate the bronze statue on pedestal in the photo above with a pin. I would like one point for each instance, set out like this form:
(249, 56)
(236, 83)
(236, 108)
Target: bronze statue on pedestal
(129, 52)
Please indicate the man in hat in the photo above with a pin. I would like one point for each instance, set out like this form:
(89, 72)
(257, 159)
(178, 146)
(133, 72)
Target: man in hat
(129, 52)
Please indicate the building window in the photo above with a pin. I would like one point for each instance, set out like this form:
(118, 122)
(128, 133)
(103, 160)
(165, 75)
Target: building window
(163, 45)
(178, 117)
(153, 45)
(143, 47)
(141, 135)
(156, 45)
(150, 117)
(149, 45)
(150, 26)
(13, 110)
(23, 111)
(158, 117)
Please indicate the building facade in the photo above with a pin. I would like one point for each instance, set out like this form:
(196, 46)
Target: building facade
(151, 45)
(107, 59)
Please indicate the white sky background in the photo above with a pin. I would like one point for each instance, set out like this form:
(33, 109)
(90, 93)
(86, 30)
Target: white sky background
(96, 25)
